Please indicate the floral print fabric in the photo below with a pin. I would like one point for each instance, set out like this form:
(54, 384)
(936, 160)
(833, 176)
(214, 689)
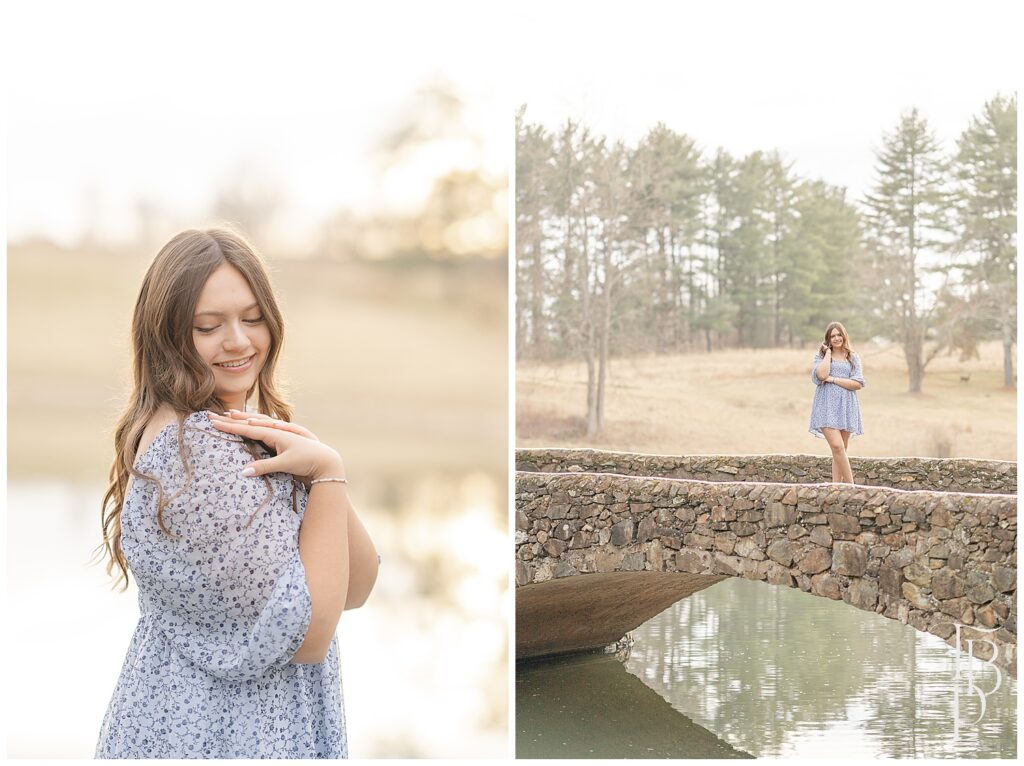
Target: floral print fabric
(835, 406)
(223, 609)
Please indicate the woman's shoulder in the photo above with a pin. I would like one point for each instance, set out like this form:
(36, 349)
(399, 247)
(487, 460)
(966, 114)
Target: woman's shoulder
(163, 427)
(164, 417)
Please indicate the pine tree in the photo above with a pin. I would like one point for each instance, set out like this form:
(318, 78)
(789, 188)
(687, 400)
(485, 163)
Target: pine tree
(986, 213)
(821, 283)
(614, 251)
(780, 200)
(719, 312)
(906, 227)
(665, 181)
(747, 248)
(533, 168)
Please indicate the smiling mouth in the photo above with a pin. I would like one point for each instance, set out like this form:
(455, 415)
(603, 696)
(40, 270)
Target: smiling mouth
(237, 364)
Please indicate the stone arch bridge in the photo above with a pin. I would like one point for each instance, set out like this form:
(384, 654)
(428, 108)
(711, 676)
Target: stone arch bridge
(605, 541)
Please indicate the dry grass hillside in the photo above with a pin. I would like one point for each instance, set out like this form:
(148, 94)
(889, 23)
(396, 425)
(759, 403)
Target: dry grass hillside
(737, 402)
(403, 370)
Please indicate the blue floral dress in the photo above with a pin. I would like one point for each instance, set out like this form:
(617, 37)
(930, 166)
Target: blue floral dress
(833, 405)
(223, 610)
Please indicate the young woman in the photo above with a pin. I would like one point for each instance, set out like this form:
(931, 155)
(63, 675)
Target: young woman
(235, 522)
(835, 412)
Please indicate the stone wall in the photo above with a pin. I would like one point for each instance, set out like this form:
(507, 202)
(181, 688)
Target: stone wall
(927, 559)
(955, 475)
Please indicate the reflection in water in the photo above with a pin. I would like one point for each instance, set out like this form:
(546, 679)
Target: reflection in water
(588, 706)
(769, 671)
(423, 664)
(778, 672)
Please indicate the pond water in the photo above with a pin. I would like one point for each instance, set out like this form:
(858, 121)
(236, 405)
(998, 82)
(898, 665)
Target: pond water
(747, 669)
(424, 668)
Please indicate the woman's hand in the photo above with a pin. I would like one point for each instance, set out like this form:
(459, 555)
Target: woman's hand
(299, 452)
(257, 419)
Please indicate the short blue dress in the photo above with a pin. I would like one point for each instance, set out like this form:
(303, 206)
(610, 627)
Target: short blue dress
(223, 609)
(835, 406)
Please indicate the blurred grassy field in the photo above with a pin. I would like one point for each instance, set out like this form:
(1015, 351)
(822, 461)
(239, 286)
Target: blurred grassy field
(403, 369)
(742, 402)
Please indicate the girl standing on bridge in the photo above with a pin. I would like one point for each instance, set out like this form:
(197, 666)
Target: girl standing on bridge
(237, 527)
(835, 413)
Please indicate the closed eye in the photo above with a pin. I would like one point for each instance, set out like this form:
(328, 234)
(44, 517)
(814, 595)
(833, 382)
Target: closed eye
(211, 329)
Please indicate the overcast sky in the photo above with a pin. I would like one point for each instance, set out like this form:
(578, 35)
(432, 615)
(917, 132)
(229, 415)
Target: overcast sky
(110, 100)
(819, 81)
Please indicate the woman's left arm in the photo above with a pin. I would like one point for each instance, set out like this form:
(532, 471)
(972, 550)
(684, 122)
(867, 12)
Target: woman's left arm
(363, 561)
(848, 383)
(363, 565)
(856, 380)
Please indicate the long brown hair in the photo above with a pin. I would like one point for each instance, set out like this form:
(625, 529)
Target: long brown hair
(846, 341)
(167, 369)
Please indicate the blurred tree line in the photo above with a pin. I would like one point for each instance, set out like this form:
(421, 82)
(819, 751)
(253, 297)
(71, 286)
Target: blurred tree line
(465, 213)
(663, 248)
(462, 217)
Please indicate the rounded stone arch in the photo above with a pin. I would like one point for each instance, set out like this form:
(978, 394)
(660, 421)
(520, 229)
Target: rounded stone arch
(580, 613)
(589, 546)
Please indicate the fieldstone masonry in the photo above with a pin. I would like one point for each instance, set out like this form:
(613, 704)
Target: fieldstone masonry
(953, 475)
(925, 558)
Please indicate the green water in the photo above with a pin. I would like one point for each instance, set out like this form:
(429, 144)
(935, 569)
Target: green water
(749, 669)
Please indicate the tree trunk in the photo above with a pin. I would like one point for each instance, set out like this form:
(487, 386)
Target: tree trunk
(914, 332)
(678, 319)
(915, 366)
(661, 323)
(537, 297)
(602, 364)
(777, 254)
(588, 330)
(777, 318)
(1009, 379)
(691, 299)
(593, 427)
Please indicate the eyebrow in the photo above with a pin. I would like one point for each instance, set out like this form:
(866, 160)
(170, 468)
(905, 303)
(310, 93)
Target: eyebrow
(221, 313)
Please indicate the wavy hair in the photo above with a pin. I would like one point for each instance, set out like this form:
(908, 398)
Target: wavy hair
(167, 368)
(846, 342)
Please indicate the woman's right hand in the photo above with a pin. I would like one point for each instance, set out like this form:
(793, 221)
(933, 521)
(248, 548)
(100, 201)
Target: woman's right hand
(297, 454)
(824, 350)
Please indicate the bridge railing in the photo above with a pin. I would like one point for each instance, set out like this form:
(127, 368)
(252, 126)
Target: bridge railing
(911, 473)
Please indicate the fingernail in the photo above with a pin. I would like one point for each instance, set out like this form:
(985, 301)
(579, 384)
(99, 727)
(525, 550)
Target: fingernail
(250, 471)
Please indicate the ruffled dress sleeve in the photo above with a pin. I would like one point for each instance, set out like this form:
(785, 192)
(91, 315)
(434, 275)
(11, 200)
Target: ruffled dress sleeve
(857, 373)
(814, 367)
(230, 593)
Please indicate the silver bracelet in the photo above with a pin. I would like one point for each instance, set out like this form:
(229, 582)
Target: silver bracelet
(343, 481)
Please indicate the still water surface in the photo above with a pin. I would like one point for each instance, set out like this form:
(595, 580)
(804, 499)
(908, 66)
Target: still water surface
(749, 669)
(423, 664)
